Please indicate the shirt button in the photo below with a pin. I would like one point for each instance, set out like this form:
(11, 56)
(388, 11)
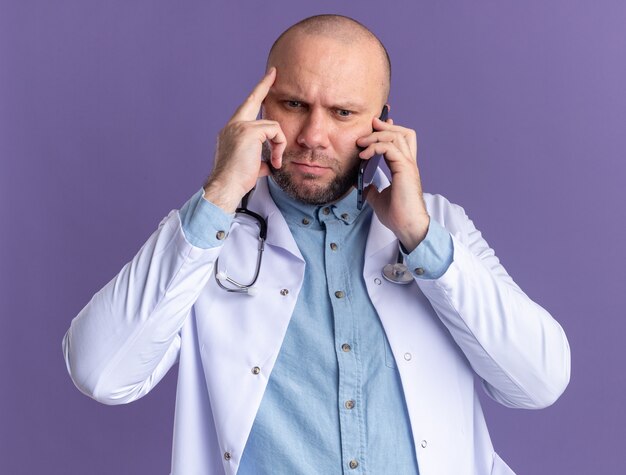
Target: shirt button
(339, 294)
(227, 456)
(345, 216)
(377, 281)
(353, 464)
(345, 347)
(305, 221)
(220, 235)
(333, 246)
(256, 370)
(419, 271)
(284, 292)
(349, 404)
(326, 210)
(424, 443)
(408, 356)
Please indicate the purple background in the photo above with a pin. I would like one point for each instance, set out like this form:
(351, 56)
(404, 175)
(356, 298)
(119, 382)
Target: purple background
(108, 117)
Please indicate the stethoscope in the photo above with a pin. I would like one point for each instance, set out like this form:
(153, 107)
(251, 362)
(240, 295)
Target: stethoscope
(229, 284)
(396, 273)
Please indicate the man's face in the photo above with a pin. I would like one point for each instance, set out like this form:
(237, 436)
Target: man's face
(325, 96)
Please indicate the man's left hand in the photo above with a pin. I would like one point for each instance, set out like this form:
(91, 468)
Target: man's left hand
(400, 206)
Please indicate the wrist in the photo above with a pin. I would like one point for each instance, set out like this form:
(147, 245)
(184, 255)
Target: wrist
(414, 234)
(222, 196)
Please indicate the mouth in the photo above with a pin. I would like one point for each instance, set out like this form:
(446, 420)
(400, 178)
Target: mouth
(310, 168)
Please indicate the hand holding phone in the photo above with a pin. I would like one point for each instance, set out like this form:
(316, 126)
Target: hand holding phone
(399, 206)
(367, 168)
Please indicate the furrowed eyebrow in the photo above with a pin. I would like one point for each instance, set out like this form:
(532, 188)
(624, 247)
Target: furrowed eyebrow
(281, 93)
(291, 96)
(349, 106)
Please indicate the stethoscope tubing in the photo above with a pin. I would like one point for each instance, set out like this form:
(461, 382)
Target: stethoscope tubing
(396, 273)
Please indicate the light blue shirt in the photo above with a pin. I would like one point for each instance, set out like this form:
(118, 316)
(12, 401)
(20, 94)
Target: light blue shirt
(334, 401)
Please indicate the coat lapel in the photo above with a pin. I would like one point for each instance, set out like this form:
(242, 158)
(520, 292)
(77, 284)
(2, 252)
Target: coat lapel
(240, 336)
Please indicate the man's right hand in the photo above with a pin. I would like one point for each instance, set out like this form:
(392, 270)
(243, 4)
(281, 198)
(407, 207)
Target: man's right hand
(238, 162)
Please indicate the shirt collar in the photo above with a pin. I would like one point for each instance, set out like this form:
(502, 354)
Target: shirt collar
(313, 216)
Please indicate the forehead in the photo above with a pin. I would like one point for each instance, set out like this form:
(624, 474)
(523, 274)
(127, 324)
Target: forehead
(322, 69)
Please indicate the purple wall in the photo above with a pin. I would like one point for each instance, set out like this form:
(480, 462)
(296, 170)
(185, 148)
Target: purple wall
(108, 117)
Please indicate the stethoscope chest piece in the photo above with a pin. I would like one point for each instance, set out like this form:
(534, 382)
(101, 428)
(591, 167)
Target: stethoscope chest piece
(397, 273)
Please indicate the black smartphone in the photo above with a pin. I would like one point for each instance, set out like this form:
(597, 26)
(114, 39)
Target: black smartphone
(367, 168)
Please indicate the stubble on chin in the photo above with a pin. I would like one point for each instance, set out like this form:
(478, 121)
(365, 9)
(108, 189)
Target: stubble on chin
(312, 191)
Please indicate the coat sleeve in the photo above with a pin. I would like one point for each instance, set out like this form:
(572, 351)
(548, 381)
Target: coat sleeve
(128, 336)
(515, 346)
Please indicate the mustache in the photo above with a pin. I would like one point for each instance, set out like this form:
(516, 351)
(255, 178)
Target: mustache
(308, 156)
(304, 156)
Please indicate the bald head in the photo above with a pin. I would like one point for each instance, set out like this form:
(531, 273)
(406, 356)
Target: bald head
(343, 30)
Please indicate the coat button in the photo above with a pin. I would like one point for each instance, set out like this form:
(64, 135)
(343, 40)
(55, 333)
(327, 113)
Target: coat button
(345, 347)
(227, 456)
(419, 271)
(349, 404)
(256, 370)
(339, 294)
(424, 444)
(353, 464)
(284, 292)
(220, 235)
(333, 246)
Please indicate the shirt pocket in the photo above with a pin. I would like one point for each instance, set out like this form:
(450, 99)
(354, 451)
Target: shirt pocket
(390, 361)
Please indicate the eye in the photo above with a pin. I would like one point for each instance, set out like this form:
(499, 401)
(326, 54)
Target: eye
(344, 113)
(293, 104)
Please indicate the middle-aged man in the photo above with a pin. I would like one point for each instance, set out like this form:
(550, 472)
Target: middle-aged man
(326, 367)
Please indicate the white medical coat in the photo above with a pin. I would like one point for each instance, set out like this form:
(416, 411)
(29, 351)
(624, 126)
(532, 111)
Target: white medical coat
(164, 306)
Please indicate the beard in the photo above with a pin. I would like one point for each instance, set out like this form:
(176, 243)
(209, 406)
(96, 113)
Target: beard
(313, 192)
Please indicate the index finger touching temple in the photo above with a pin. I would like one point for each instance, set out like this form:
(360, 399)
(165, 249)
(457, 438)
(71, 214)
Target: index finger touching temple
(250, 108)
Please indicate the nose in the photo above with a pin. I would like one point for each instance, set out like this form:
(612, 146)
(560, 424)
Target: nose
(314, 131)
